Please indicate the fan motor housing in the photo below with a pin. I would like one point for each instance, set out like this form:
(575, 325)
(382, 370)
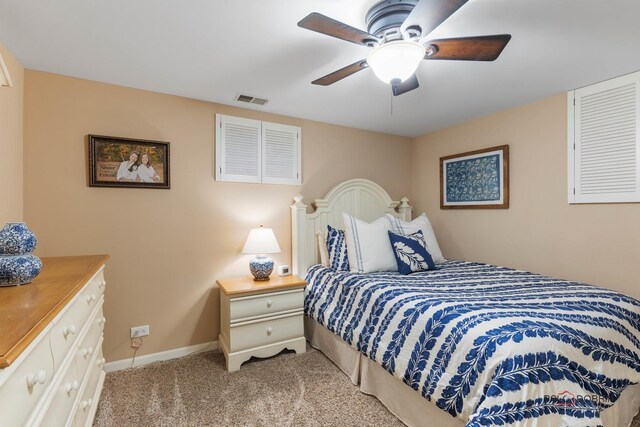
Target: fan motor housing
(385, 18)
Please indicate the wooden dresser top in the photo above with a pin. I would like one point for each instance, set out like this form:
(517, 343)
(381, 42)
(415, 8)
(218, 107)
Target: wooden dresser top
(26, 310)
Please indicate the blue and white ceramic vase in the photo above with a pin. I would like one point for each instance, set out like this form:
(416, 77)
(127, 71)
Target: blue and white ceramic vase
(17, 239)
(19, 269)
(261, 267)
(17, 265)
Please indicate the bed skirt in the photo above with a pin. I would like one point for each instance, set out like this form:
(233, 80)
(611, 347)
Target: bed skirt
(408, 405)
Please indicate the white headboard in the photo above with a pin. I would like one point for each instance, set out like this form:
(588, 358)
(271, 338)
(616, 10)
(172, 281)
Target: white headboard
(361, 198)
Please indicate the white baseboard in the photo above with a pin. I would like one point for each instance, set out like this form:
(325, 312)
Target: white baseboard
(118, 365)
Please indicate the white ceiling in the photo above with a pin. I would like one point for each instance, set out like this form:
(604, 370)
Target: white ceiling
(215, 49)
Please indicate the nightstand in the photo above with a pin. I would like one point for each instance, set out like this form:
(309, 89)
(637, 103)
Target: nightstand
(260, 318)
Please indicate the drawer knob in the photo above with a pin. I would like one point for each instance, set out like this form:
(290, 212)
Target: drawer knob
(69, 330)
(269, 303)
(87, 352)
(91, 299)
(71, 386)
(102, 321)
(269, 330)
(86, 403)
(101, 361)
(102, 284)
(39, 378)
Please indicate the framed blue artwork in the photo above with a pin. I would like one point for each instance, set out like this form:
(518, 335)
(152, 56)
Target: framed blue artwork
(475, 180)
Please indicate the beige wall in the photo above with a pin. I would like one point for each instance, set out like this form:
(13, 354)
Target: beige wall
(11, 116)
(169, 247)
(540, 232)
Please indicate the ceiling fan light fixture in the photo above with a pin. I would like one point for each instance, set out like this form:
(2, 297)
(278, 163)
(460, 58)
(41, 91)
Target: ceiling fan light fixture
(396, 60)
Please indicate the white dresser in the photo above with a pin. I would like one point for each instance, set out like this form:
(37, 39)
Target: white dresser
(51, 343)
(260, 318)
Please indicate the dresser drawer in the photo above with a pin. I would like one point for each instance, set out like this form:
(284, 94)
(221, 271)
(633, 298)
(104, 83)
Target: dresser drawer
(28, 381)
(89, 344)
(92, 291)
(67, 328)
(96, 285)
(266, 304)
(264, 332)
(62, 398)
(88, 401)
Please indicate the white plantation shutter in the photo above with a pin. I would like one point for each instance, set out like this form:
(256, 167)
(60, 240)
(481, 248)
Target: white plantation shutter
(604, 150)
(5, 79)
(238, 151)
(255, 151)
(280, 154)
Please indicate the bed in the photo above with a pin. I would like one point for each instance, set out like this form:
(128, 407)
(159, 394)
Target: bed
(468, 344)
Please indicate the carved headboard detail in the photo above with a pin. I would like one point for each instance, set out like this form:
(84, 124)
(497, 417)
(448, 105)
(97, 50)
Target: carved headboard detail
(361, 198)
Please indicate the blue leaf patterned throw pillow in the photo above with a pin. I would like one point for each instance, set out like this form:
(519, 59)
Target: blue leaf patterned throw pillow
(337, 247)
(411, 253)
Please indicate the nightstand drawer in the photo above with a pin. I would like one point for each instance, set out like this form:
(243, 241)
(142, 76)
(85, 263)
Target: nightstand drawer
(265, 332)
(266, 304)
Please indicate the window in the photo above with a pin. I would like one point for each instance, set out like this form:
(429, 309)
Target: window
(604, 142)
(254, 151)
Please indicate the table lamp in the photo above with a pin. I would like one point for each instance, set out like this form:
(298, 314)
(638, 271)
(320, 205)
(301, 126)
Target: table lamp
(261, 241)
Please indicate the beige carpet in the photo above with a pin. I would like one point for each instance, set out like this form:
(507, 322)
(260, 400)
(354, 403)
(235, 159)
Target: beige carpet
(288, 390)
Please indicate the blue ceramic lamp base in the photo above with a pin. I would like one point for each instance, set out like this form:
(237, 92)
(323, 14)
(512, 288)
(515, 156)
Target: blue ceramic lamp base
(261, 267)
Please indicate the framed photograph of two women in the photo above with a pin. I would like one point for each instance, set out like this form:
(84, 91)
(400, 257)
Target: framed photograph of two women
(475, 179)
(125, 162)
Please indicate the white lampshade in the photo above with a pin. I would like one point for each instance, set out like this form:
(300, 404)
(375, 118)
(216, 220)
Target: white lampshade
(396, 60)
(261, 241)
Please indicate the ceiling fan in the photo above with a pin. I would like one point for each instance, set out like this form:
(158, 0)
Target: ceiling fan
(397, 31)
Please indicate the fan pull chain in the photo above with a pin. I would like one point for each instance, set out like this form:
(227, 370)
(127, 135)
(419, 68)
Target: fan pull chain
(391, 105)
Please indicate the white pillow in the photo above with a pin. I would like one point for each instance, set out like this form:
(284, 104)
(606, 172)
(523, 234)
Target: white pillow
(422, 223)
(368, 245)
(322, 248)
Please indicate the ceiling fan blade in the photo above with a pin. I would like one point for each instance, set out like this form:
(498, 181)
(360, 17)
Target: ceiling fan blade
(482, 48)
(408, 85)
(341, 73)
(428, 14)
(325, 25)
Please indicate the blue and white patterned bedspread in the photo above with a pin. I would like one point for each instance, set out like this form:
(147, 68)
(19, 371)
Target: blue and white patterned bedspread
(490, 345)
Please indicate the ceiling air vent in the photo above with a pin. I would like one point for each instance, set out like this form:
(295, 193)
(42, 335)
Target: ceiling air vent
(251, 99)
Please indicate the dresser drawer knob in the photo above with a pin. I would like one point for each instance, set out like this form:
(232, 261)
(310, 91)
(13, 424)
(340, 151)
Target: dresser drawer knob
(39, 378)
(86, 403)
(91, 299)
(269, 303)
(101, 361)
(69, 330)
(269, 330)
(102, 284)
(102, 321)
(87, 352)
(71, 386)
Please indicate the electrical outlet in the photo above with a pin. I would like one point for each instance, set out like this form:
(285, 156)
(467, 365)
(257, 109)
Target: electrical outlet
(140, 331)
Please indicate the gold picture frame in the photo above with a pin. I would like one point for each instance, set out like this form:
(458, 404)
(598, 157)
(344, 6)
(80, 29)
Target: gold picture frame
(128, 163)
